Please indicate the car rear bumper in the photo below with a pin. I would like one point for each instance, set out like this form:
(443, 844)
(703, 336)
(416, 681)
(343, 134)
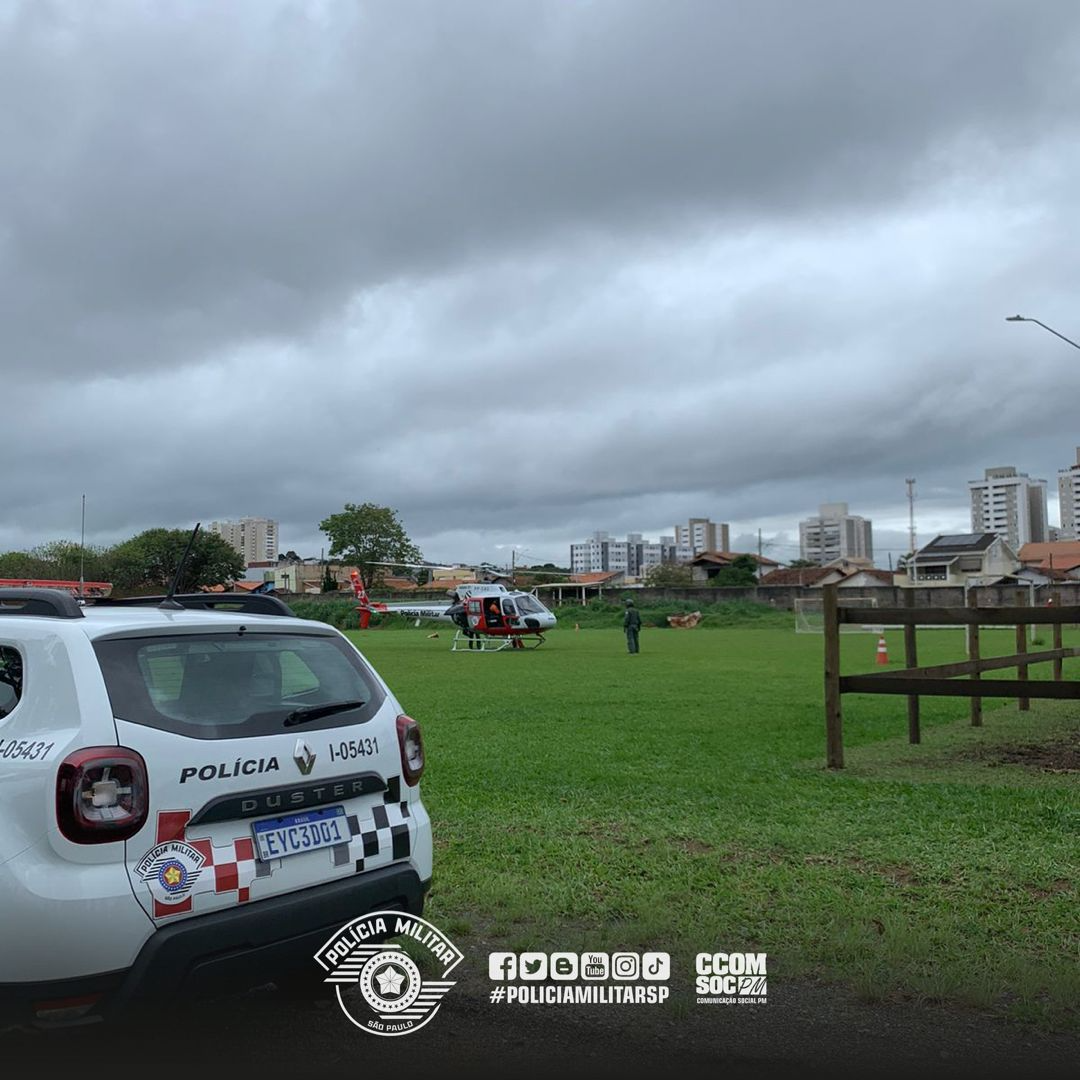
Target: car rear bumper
(226, 950)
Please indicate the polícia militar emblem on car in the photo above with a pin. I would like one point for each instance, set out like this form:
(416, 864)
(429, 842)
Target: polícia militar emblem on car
(304, 757)
(171, 870)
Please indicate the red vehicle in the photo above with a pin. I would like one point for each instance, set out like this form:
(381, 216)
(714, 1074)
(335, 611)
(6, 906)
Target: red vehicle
(92, 590)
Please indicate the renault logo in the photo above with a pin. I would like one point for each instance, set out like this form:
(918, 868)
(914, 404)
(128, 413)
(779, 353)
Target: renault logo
(304, 757)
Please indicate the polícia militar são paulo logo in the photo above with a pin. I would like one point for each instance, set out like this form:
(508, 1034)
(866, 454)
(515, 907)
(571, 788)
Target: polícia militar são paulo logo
(170, 870)
(394, 998)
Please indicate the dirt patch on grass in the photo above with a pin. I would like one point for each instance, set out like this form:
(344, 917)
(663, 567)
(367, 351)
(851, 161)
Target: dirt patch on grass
(1058, 756)
(1055, 888)
(694, 847)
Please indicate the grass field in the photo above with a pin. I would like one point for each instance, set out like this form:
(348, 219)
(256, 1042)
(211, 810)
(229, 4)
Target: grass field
(584, 798)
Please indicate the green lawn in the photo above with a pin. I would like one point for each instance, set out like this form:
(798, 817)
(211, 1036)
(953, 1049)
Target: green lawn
(584, 798)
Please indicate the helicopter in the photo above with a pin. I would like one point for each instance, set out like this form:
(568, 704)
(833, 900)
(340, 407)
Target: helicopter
(488, 617)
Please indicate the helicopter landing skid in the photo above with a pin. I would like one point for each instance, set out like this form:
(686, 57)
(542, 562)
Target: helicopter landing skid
(484, 643)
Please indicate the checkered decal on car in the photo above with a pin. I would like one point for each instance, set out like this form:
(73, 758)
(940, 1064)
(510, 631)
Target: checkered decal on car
(227, 869)
(377, 840)
(383, 838)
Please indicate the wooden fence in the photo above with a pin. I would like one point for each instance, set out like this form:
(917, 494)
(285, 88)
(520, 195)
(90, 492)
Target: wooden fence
(941, 680)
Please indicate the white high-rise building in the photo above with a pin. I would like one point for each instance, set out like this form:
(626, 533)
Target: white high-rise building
(698, 535)
(634, 556)
(1069, 500)
(256, 539)
(1010, 504)
(836, 534)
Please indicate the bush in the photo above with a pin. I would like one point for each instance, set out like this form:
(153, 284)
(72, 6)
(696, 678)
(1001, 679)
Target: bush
(339, 613)
(598, 614)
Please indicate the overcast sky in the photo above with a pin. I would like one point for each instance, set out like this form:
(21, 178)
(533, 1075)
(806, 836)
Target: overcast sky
(525, 270)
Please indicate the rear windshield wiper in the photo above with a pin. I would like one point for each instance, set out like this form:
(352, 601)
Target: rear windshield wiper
(314, 712)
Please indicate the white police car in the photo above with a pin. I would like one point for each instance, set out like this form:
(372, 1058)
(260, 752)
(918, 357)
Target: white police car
(191, 796)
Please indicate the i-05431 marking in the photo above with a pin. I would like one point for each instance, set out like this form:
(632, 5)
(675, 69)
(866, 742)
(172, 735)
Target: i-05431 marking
(25, 750)
(348, 749)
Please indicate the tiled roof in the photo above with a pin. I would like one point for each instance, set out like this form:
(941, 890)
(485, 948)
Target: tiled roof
(873, 571)
(400, 583)
(803, 575)
(1059, 554)
(725, 558)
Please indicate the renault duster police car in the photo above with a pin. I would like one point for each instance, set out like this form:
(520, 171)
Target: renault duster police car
(192, 794)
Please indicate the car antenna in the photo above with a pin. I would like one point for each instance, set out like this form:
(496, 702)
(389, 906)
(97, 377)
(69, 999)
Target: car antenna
(169, 602)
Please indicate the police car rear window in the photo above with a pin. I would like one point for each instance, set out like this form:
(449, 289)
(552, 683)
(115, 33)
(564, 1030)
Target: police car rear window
(230, 686)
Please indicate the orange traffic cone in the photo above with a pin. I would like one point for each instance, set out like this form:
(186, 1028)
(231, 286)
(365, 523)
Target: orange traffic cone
(882, 651)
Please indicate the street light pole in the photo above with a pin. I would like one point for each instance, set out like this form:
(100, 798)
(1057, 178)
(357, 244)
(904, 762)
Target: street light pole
(1024, 318)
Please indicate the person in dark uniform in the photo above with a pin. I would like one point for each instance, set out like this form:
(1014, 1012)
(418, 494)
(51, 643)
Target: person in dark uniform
(460, 619)
(631, 624)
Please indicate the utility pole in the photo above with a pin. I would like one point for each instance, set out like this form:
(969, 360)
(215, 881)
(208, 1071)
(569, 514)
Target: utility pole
(759, 566)
(911, 513)
(82, 553)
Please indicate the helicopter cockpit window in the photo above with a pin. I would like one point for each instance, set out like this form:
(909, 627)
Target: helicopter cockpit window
(528, 606)
(508, 608)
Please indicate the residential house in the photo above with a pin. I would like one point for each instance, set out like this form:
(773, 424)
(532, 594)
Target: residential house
(809, 576)
(846, 573)
(581, 586)
(708, 564)
(1061, 555)
(961, 560)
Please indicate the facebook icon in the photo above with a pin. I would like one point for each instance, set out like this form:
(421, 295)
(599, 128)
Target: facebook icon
(502, 966)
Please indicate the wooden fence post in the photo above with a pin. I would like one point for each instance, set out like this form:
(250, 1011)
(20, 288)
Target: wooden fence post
(834, 724)
(1056, 601)
(973, 654)
(911, 659)
(1022, 703)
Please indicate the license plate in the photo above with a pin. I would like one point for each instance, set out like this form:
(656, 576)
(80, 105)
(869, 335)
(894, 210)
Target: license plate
(275, 838)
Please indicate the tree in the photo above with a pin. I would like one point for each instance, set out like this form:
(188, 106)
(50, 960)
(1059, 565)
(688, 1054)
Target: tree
(22, 564)
(62, 559)
(366, 536)
(802, 564)
(670, 575)
(149, 561)
(742, 571)
(58, 560)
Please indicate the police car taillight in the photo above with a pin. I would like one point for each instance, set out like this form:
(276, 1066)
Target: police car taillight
(102, 794)
(412, 750)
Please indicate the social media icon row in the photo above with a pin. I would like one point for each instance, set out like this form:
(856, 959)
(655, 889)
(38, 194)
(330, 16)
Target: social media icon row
(588, 966)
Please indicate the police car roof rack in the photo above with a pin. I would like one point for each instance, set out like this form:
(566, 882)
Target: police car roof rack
(54, 603)
(248, 603)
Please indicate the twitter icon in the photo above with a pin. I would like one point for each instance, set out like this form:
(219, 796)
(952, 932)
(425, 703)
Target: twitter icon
(533, 966)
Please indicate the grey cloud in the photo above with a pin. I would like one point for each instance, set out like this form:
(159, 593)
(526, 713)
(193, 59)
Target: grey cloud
(181, 180)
